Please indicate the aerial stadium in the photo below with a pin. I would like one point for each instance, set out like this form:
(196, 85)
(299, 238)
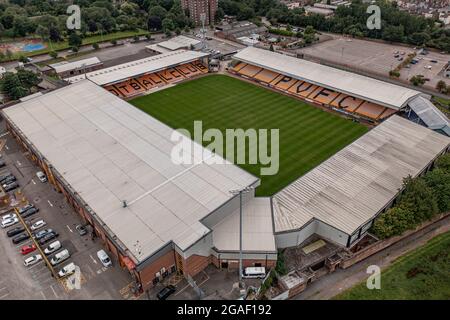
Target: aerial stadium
(346, 143)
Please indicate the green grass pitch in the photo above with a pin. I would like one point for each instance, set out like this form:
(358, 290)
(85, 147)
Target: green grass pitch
(308, 135)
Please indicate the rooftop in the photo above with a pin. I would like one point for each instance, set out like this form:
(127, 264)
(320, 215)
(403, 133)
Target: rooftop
(257, 228)
(351, 187)
(67, 66)
(135, 68)
(376, 91)
(178, 42)
(109, 151)
(430, 115)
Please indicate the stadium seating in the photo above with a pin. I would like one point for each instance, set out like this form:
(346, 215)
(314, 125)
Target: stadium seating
(317, 94)
(266, 76)
(170, 75)
(132, 87)
(283, 82)
(250, 71)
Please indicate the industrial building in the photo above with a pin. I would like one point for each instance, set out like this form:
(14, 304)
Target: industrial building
(67, 69)
(113, 164)
(339, 199)
(176, 43)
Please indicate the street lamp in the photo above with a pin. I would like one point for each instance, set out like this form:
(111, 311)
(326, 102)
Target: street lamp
(240, 192)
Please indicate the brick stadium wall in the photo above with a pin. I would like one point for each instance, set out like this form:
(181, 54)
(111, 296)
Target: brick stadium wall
(148, 273)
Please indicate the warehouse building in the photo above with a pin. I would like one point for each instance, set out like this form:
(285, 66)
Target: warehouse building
(339, 199)
(113, 164)
(176, 43)
(67, 69)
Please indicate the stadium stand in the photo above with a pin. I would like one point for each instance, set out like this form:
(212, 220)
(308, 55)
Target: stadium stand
(132, 87)
(346, 92)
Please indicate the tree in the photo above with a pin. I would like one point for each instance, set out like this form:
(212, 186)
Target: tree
(27, 78)
(12, 87)
(177, 31)
(154, 23)
(393, 33)
(417, 80)
(418, 198)
(439, 181)
(75, 40)
(157, 11)
(393, 222)
(54, 34)
(167, 25)
(441, 86)
(42, 32)
(53, 54)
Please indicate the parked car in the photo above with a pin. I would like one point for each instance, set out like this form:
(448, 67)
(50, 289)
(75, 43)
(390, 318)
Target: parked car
(11, 186)
(29, 212)
(166, 292)
(9, 222)
(40, 234)
(48, 237)
(38, 224)
(104, 258)
(81, 230)
(52, 247)
(8, 180)
(41, 176)
(25, 208)
(5, 176)
(32, 260)
(60, 257)
(67, 270)
(27, 249)
(427, 67)
(2, 163)
(20, 238)
(15, 231)
(9, 216)
(434, 61)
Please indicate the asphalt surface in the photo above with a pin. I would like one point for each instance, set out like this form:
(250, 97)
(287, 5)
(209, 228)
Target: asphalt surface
(36, 282)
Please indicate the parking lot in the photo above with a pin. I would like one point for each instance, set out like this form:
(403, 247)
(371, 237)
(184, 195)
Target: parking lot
(377, 57)
(93, 281)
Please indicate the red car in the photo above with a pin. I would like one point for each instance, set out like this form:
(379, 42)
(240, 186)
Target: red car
(27, 249)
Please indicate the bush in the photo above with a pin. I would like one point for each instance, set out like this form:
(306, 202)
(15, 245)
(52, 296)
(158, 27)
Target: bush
(114, 42)
(53, 54)
(394, 73)
(95, 46)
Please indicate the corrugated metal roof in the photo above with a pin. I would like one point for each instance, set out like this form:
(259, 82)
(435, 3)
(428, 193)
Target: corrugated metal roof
(256, 229)
(147, 65)
(376, 91)
(428, 113)
(352, 186)
(110, 151)
(67, 66)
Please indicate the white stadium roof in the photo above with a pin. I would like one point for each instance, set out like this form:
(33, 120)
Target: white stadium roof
(257, 228)
(135, 68)
(67, 66)
(109, 151)
(349, 189)
(376, 91)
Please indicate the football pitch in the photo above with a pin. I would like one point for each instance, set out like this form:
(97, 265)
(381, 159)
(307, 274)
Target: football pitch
(308, 135)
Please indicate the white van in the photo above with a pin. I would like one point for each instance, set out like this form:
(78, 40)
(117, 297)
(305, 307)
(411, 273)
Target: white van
(104, 258)
(60, 257)
(254, 273)
(67, 270)
(41, 176)
(52, 247)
